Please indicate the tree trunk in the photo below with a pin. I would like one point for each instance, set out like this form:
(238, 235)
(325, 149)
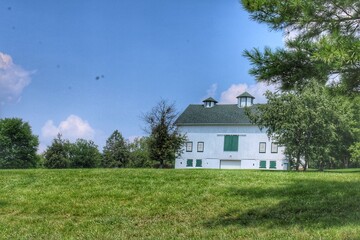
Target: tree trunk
(161, 163)
(297, 162)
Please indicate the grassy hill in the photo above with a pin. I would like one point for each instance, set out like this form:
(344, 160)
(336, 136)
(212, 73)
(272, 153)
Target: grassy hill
(178, 204)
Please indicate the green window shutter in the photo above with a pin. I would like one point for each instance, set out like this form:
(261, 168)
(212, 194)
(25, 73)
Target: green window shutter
(235, 143)
(198, 163)
(231, 143)
(262, 164)
(189, 163)
(272, 164)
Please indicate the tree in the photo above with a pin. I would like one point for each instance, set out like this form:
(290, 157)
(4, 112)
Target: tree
(348, 130)
(115, 152)
(326, 42)
(18, 145)
(57, 155)
(84, 154)
(305, 122)
(165, 140)
(355, 153)
(140, 154)
(323, 44)
(64, 154)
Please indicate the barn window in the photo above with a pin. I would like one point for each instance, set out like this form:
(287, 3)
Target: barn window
(231, 143)
(274, 147)
(189, 146)
(198, 163)
(200, 146)
(262, 147)
(189, 163)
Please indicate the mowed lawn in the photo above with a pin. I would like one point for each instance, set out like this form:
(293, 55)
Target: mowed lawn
(178, 204)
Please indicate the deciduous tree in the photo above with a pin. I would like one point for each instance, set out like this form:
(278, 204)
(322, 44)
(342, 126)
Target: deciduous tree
(84, 154)
(64, 154)
(18, 145)
(140, 154)
(165, 140)
(305, 122)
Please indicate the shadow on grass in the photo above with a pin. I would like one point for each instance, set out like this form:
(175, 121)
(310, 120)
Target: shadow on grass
(2, 203)
(348, 170)
(314, 203)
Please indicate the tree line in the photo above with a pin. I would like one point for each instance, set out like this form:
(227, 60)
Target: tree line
(18, 146)
(117, 153)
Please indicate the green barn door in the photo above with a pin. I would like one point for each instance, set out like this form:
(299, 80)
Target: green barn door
(231, 143)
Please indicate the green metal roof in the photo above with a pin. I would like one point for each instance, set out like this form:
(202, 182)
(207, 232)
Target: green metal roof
(245, 94)
(227, 114)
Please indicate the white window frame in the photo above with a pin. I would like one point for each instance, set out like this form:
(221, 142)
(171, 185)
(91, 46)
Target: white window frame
(200, 146)
(274, 147)
(262, 147)
(189, 146)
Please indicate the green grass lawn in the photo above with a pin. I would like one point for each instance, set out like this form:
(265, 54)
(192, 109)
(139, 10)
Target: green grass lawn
(178, 204)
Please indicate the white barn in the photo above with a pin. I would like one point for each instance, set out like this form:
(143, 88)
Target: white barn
(221, 136)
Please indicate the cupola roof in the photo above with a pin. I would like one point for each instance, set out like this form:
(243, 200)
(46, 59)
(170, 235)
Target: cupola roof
(210, 99)
(245, 94)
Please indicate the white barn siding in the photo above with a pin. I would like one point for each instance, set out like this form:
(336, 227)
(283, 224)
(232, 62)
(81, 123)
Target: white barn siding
(213, 138)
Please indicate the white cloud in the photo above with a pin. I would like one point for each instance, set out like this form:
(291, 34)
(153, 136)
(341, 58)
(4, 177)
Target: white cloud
(211, 91)
(13, 79)
(72, 128)
(257, 90)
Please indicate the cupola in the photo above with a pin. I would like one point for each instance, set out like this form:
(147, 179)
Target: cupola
(245, 100)
(209, 102)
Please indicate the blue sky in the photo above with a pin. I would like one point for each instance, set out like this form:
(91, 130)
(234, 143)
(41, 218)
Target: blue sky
(87, 68)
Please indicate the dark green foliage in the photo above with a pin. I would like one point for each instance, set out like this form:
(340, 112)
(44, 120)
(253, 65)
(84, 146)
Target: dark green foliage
(140, 154)
(40, 161)
(84, 154)
(309, 123)
(355, 153)
(165, 141)
(18, 145)
(325, 43)
(311, 18)
(348, 132)
(116, 152)
(57, 155)
(63, 154)
(287, 68)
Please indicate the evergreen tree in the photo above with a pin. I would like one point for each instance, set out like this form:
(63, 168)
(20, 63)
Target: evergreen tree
(57, 155)
(325, 42)
(115, 152)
